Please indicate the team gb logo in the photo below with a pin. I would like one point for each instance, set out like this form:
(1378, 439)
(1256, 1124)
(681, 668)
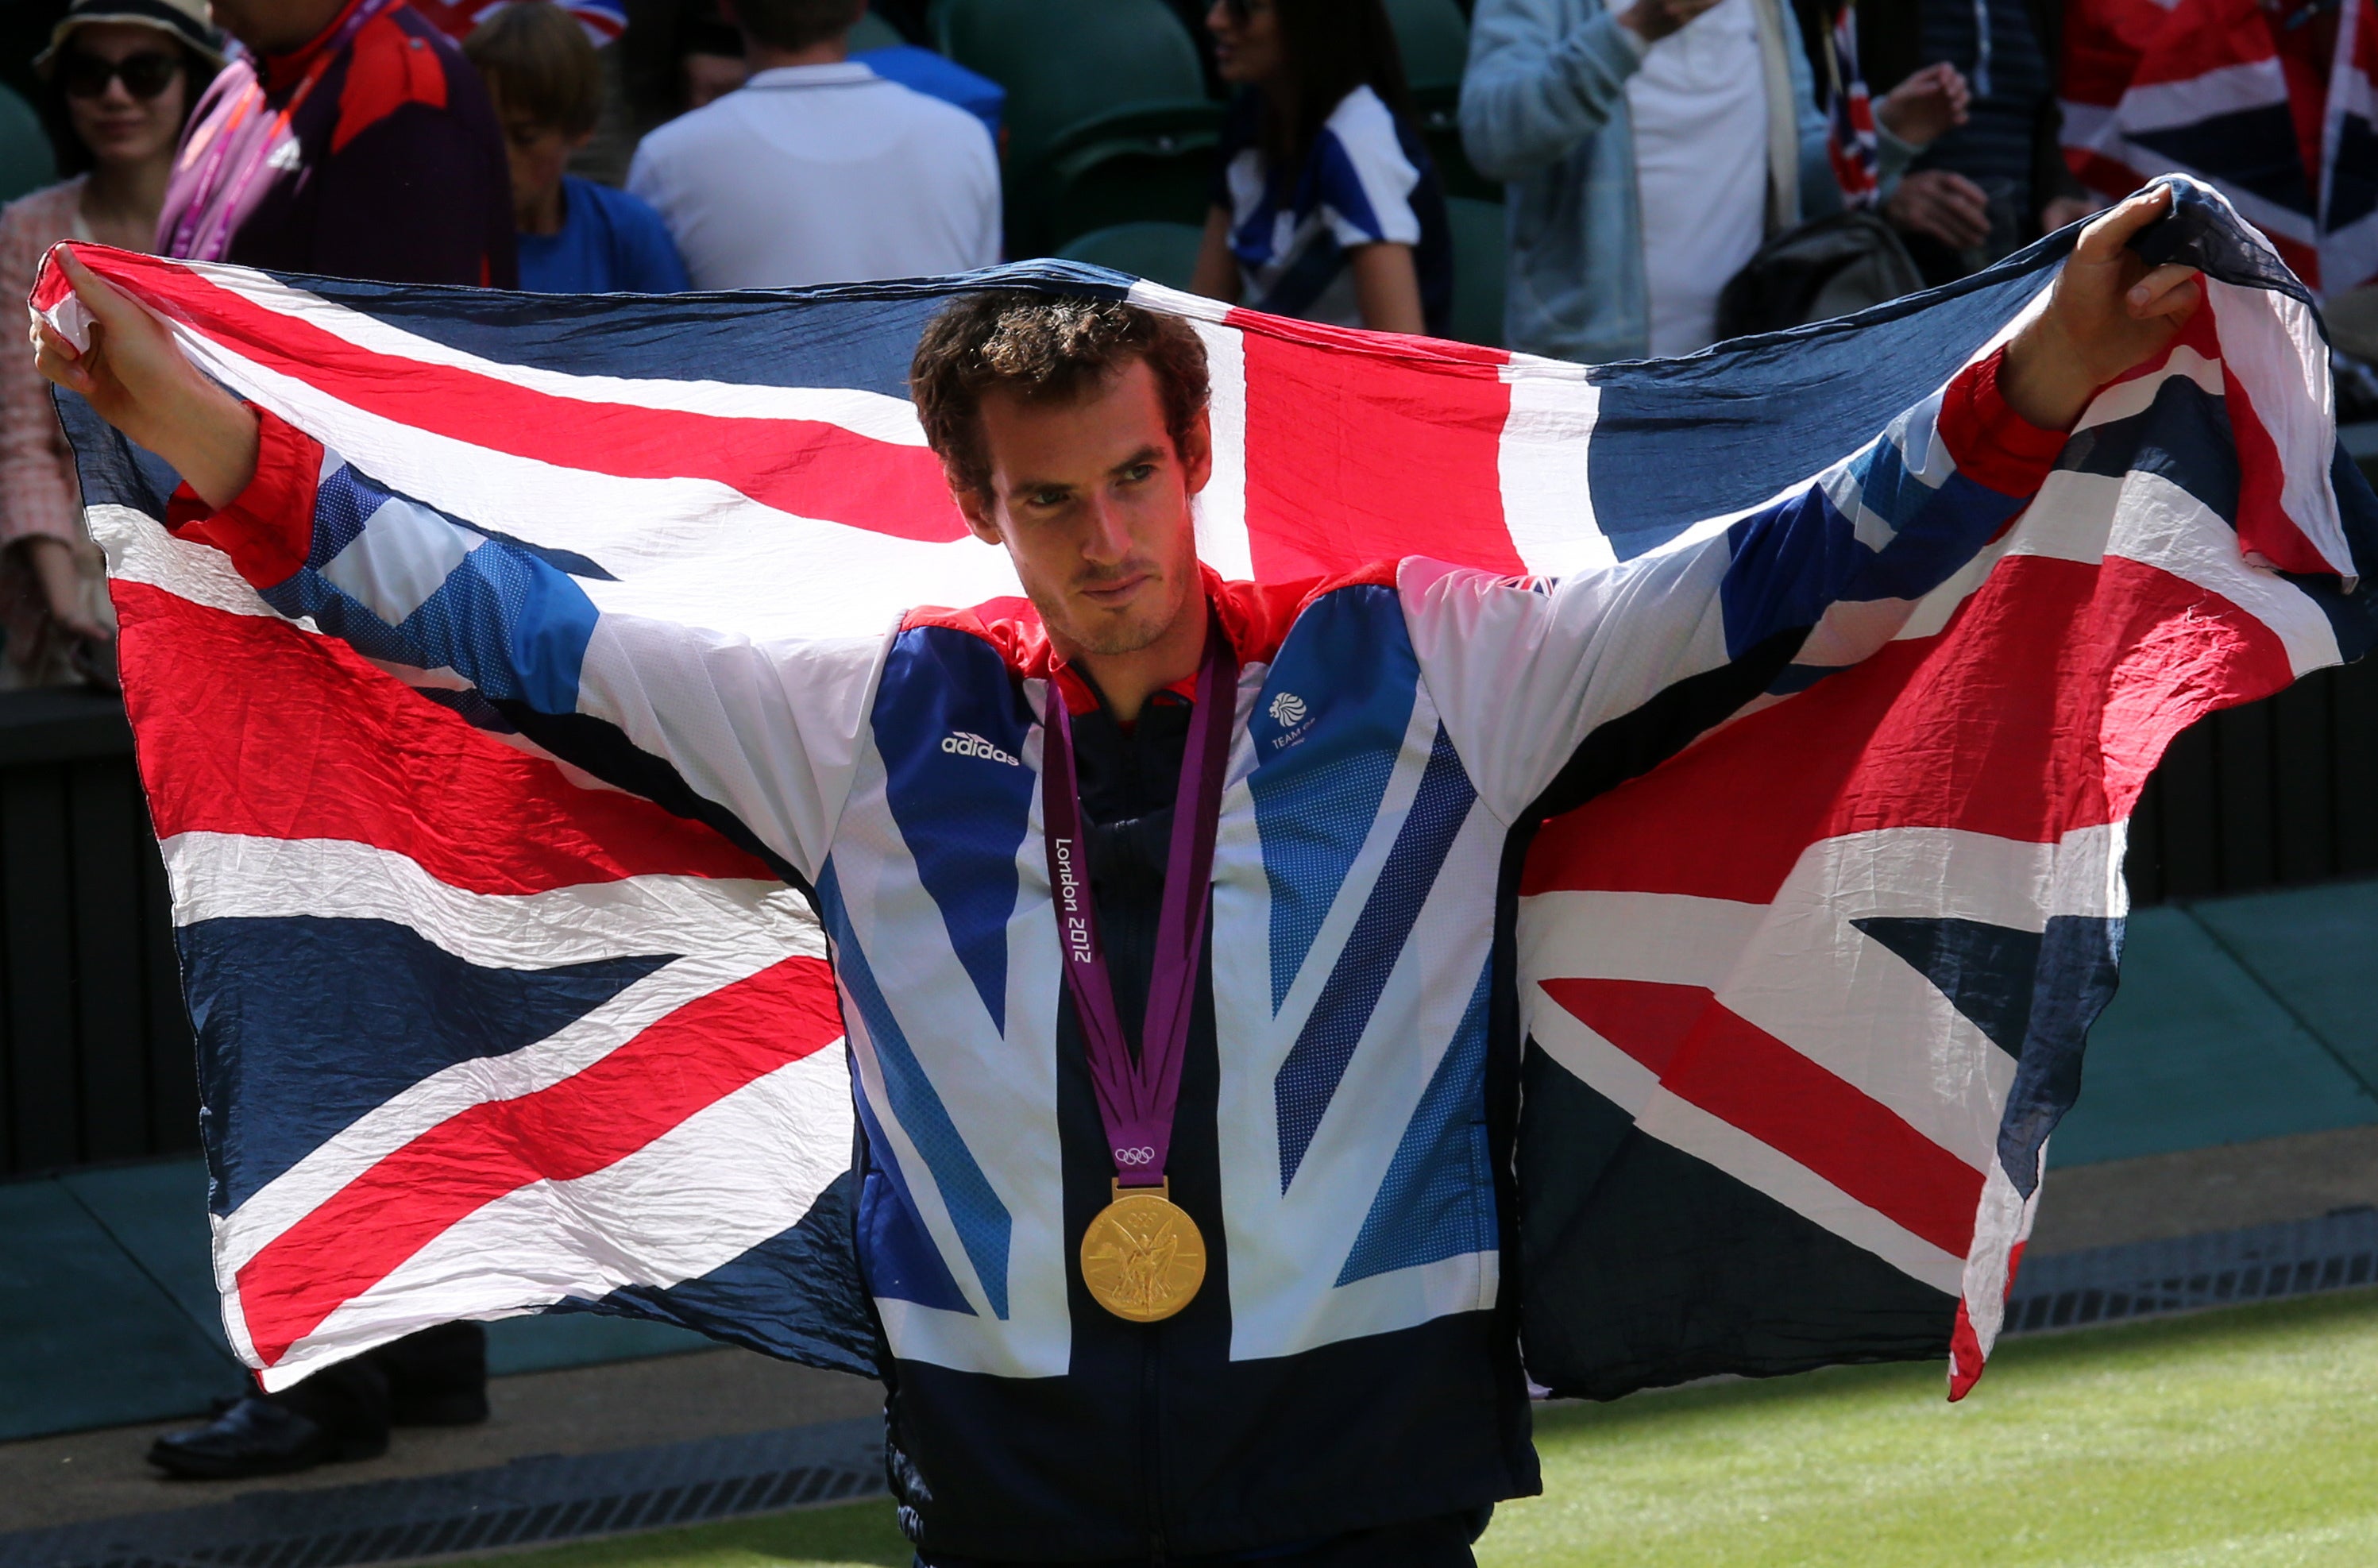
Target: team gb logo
(1287, 710)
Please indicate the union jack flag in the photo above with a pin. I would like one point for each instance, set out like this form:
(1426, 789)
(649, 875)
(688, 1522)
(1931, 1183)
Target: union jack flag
(1851, 140)
(482, 1035)
(2271, 102)
(603, 19)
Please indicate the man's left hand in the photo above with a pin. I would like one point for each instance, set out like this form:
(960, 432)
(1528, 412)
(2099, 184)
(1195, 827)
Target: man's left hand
(2109, 312)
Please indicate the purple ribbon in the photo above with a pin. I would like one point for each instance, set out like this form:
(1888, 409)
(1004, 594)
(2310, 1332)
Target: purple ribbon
(1136, 1095)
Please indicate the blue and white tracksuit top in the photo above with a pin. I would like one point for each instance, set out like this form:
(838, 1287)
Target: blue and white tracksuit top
(1348, 1099)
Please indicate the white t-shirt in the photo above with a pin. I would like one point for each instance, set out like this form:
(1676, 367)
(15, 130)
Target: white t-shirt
(820, 174)
(1698, 110)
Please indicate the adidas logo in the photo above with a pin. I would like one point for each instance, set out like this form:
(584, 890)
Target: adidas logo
(966, 744)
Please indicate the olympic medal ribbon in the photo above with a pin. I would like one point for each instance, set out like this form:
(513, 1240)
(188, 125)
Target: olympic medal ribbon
(1143, 1258)
(1136, 1095)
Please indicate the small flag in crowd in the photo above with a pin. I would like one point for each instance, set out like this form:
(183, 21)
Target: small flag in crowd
(603, 19)
(1851, 140)
(2271, 103)
(482, 1035)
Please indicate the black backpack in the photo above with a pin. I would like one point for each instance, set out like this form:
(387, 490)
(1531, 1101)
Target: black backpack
(1830, 266)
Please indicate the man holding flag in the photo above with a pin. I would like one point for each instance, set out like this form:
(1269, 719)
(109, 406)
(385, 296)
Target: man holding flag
(1157, 1278)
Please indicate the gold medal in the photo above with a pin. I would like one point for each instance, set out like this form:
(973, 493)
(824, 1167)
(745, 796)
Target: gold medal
(1143, 1256)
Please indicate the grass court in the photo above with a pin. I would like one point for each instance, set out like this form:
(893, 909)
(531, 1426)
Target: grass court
(2240, 1439)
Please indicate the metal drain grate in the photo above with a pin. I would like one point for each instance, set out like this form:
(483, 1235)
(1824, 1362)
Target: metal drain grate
(2148, 1278)
(552, 1498)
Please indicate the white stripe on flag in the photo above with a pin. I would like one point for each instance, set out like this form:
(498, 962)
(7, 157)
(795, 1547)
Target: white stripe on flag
(140, 550)
(872, 415)
(1545, 459)
(2274, 346)
(231, 877)
(688, 549)
(2190, 101)
(394, 1123)
(758, 1160)
(1796, 971)
(1222, 508)
(2003, 1221)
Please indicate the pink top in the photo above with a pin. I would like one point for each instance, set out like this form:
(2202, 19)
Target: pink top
(38, 493)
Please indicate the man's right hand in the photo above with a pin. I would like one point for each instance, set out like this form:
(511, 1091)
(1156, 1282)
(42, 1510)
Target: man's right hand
(136, 379)
(1652, 21)
(1942, 206)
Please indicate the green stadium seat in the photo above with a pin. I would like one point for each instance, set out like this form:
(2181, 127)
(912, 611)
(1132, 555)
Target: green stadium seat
(1149, 164)
(1108, 119)
(1433, 38)
(1163, 253)
(873, 32)
(1478, 269)
(25, 159)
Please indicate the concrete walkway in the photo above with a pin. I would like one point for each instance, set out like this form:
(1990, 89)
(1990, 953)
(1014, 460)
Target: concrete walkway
(99, 1474)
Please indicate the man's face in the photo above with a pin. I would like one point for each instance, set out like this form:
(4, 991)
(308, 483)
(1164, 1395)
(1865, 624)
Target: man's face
(1092, 501)
(274, 27)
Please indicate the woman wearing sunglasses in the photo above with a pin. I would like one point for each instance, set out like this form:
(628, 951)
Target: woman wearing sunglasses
(1324, 205)
(122, 77)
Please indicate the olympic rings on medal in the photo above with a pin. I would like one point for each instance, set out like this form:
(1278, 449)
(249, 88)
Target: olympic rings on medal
(1140, 1156)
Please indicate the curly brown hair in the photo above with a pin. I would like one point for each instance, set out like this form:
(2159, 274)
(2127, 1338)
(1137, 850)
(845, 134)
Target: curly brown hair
(1052, 348)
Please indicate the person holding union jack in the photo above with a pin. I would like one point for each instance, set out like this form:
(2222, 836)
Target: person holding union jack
(1169, 918)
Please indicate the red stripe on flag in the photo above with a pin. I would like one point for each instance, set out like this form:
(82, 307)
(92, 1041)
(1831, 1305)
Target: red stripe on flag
(810, 467)
(1351, 460)
(1712, 1058)
(2184, 44)
(684, 1063)
(1966, 1357)
(250, 726)
(2040, 709)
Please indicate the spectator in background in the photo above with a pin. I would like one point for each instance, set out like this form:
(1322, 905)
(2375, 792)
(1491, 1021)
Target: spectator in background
(1650, 152)
(353, 140)
(678, 55)
(818, 170)
(1999, 181)
(123, 75)
(575, 237)
(1326, 204)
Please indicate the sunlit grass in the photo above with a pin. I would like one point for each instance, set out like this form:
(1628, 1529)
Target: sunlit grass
(2245, 1438)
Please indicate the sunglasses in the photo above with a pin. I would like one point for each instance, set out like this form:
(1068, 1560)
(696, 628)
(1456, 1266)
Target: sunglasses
(144, 75)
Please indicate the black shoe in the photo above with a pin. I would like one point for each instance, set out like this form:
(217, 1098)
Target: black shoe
(257, 1437)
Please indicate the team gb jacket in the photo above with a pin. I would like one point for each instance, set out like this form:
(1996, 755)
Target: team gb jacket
(1345, 1114)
